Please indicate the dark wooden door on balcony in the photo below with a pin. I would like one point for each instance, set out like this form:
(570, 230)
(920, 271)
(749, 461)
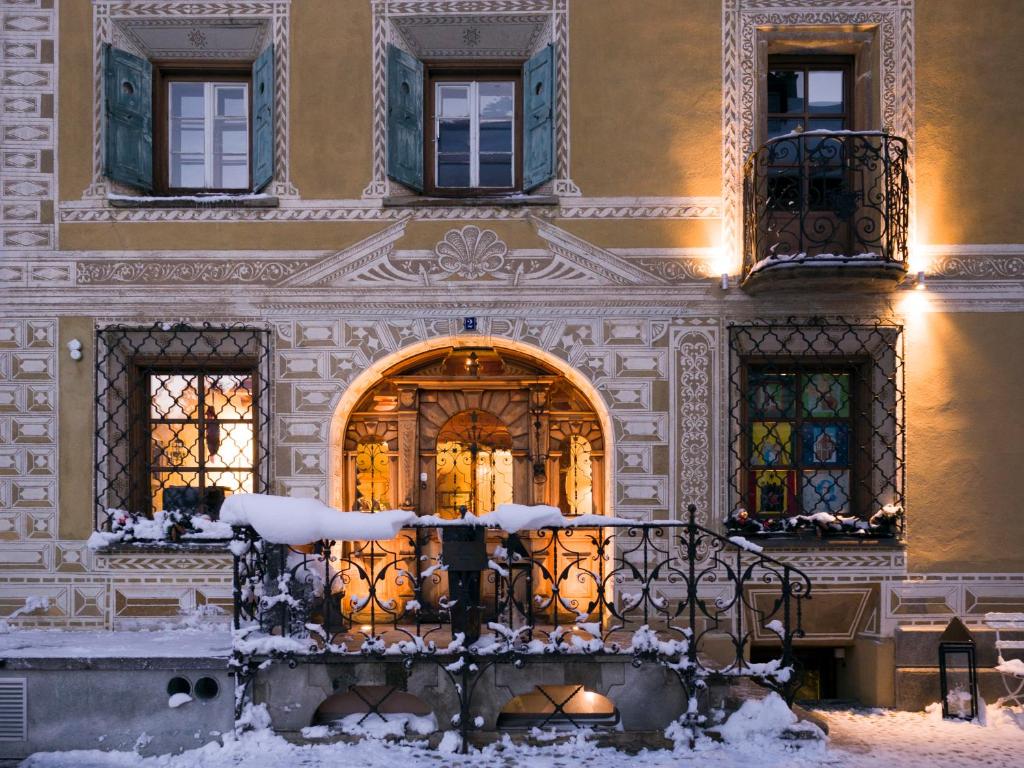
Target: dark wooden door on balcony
(810, 189)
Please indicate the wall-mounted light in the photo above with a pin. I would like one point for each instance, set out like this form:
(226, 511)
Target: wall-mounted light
(725, 281)
(75, 349)
(423, 481)
(919, 285)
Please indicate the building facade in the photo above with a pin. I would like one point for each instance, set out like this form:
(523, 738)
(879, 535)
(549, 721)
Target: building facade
(760, 256)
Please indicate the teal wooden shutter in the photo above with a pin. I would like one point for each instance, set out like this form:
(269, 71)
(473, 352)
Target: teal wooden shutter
(129, 118)
(263, 119)
(405, 118)
(539, 118)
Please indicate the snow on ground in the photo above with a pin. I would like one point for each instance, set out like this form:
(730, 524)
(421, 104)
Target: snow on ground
(859, 739)
(204, 642)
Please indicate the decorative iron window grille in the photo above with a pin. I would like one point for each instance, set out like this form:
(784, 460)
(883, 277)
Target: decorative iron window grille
(817, 440)
(182, 417)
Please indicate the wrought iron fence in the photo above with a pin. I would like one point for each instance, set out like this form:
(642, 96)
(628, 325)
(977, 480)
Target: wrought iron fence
(181, 418)
(670, 592)
(818, 193)
(817, 437)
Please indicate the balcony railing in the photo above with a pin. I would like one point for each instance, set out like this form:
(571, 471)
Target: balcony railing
(670, 592)
(827, 199)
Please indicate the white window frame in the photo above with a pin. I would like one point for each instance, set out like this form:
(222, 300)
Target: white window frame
(474, 130)
(209, 123)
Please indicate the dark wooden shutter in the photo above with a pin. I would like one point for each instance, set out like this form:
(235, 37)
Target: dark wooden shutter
(263, 119)
(539, 118)
(405, 118)
(129, 118)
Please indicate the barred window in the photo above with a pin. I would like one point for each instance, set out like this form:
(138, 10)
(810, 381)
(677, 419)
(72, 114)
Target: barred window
(181, 418)
(816, 415)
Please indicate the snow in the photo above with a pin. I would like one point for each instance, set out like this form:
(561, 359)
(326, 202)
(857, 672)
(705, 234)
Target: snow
(284, 520)
(766, 716)
(212, 642)
(858, 738)
(742, 543)
(1011, 667)
(178, 699)
(803, 259)
(129, 527)
(214, 198)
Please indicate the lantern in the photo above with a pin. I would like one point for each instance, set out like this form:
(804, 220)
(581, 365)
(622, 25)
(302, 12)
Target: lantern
(958, 672)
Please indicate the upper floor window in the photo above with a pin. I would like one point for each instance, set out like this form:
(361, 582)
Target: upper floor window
(809, 93)
(475, 133)
(180, 129)
(469, 131)
(207, 133)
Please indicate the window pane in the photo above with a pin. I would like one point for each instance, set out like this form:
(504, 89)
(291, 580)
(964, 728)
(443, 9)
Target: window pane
(173, 396)
(453, 172)
(496, 137)
(228, 445)
(495, 170)
(497, 100)
(771, 443)
(778, 126)
(187, 100)
(230, 101)
(825, 444)
(453, 136)
(231, 137)
(229, 482)
(175, 491)
(174, 445)
(453, 100)
(826, 92)
(826, 394)
(231, 173)
(229, 395)
(187, 136)
(785, 91)
(825, 491)
(188, 172)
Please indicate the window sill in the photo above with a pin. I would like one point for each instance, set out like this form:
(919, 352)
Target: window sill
(244, 200)
(482, 201)
(814, 541)
(213, 547)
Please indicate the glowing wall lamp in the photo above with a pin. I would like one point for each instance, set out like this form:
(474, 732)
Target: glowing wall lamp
(919, 284)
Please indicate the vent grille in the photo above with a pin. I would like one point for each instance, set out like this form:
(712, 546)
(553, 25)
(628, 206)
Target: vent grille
(12, 709)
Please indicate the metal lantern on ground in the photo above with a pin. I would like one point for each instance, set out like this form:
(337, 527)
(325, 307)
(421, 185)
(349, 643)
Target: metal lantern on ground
(958, 672)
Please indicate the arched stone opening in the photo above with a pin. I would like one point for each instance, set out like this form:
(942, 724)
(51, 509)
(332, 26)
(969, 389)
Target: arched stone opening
(546, 421)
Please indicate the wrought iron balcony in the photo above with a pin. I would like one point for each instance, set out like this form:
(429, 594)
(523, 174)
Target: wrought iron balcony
(826, 206)
(466, 597)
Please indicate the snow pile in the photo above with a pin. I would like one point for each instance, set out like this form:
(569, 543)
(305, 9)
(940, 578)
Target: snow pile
(284, 520)
(32, 603)
(178, 699)
(803, 259)
(397, 725)
(1011, 667)
(767, 717)
(163, 526)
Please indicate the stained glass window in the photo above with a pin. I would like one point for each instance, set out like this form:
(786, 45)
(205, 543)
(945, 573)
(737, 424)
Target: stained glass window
(799, 440)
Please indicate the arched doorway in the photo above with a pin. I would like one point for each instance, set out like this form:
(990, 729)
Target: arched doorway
(471, 427)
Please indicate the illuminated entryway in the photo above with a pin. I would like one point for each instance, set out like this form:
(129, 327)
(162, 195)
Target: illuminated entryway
(464, 429)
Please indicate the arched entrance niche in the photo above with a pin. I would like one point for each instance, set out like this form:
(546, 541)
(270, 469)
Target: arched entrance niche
(470, 422)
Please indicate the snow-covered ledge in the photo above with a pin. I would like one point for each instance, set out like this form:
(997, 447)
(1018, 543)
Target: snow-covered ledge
(297, 521)
(218, 200)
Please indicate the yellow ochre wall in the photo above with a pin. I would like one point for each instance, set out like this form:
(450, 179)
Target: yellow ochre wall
(970, 77)
(965, 441)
